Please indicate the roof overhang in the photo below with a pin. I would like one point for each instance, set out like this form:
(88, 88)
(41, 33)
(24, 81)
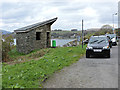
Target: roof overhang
(30, 27)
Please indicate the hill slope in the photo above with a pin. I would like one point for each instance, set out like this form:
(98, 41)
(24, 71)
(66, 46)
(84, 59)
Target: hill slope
(5, 32)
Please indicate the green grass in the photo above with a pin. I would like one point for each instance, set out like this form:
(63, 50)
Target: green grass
(13, 53)
(15, 56)
(0, 75)
(32, 73)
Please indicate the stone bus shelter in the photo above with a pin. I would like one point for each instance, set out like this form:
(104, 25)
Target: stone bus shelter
(34, 36)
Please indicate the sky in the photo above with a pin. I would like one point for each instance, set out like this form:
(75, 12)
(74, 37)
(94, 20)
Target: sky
(95, 13)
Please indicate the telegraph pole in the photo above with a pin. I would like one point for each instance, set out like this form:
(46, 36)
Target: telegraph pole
(82, 33)
(113, 22)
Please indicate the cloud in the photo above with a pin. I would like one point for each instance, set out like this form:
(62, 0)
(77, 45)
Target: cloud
(19, 13)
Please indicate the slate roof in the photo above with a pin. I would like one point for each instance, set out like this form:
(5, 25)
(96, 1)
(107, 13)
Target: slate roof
(30, 27)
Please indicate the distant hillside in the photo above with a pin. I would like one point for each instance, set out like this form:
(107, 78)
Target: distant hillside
(93, 29)
(5, 32)
(65, 34)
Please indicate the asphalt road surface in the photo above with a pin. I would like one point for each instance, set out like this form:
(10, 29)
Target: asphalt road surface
(97, 72)
(119, 65)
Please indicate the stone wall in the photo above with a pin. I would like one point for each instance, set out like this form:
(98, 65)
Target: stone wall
(71, 44)
(26, 41)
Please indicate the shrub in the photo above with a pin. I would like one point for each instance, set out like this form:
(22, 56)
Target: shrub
(7, 45)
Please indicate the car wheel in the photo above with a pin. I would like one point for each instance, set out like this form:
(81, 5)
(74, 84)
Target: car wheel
(87, 55)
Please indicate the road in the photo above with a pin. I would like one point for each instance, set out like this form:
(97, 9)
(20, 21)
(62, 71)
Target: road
(119, 65)
(97, 72)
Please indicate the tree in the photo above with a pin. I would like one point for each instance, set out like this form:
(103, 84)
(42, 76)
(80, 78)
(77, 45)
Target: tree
(104, 29)
(7, 45)
(117, 31)
(107, 29)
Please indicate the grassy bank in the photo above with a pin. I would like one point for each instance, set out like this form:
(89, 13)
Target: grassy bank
(32, 73)
(0, 75)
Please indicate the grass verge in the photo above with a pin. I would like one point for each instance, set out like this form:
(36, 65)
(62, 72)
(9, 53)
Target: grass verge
(32, 73)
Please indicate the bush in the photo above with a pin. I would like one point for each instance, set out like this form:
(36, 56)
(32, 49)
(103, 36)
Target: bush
(7, 45)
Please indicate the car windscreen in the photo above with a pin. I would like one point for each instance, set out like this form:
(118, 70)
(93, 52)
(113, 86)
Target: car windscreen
(98, 40)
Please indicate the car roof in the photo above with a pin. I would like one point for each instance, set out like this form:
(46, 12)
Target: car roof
(99, 36)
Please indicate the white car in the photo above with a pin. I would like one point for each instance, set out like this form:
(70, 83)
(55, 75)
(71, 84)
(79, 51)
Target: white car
(113, 38)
